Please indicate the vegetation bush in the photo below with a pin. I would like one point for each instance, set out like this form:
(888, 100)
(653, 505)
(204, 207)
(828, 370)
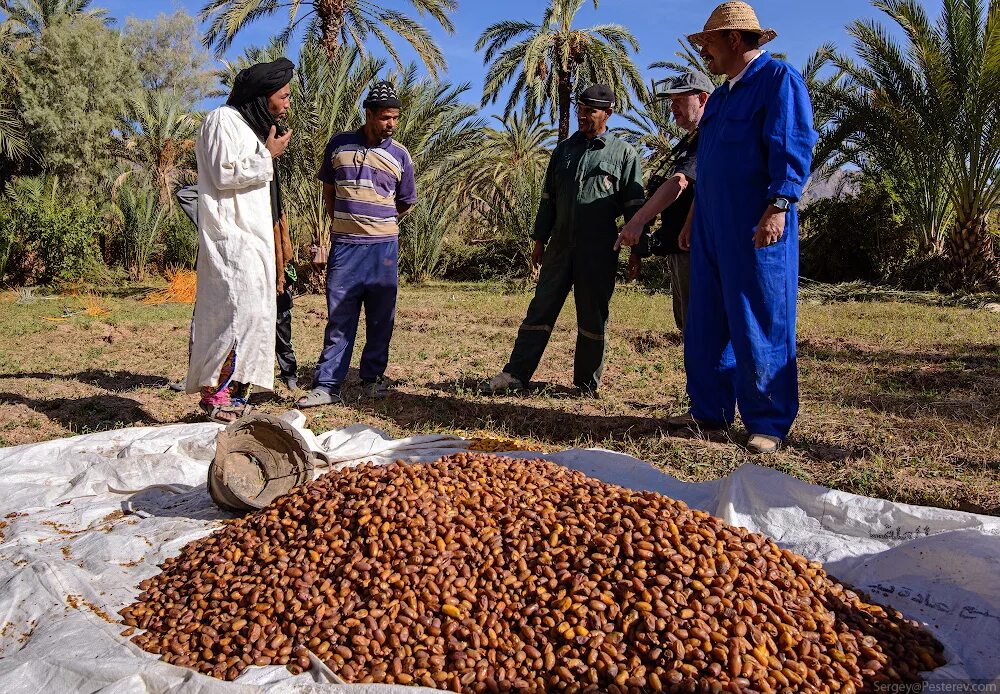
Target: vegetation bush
(49, 235)
(180, 241)
(860, 236)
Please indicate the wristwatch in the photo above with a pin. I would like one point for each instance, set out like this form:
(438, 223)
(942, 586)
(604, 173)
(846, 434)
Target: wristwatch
(783, 204)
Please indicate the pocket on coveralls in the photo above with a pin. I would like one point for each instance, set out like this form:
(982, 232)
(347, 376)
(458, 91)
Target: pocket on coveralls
(600, 181)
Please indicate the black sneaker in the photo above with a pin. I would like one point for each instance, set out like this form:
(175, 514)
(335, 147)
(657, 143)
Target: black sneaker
(379, 388)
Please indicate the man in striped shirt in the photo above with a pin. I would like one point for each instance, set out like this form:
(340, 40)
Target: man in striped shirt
(368, 186)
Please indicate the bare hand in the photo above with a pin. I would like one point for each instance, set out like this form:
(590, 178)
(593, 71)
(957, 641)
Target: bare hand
(684, 240)
(771, 228)
(536, 255)
(277, 145)
(630, 235)
(634, 267)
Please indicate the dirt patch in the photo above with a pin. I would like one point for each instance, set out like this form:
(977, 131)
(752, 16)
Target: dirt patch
(885, 387)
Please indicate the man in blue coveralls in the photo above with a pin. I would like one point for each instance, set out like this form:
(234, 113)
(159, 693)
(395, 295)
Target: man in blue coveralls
(754, 157)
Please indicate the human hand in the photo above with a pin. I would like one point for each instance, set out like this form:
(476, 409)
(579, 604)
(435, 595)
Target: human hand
(634, 267)
(770, 229)
(536, 255)
(684, 240)
(629, 235)
(277, 145)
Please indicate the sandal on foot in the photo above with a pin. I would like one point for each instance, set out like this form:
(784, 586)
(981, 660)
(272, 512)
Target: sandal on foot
(224, 414)
(317, 397)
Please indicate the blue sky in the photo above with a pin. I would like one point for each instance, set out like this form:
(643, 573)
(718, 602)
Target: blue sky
(802, 25)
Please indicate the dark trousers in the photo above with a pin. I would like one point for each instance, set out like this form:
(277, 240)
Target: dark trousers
(680, 285)
(590, 273)
(358, 275)
(283, 350)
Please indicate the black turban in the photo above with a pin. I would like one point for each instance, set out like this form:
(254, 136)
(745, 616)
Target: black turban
(251, 89)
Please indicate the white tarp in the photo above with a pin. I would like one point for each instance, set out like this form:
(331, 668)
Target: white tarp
(100, 512)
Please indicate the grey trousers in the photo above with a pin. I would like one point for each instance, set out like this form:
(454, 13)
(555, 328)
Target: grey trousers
(680, 285)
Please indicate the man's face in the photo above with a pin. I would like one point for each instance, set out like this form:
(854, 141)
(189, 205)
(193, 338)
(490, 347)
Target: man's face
(591, 121)
(719, 50)
(280, 102)
(687, 108)
(382, 122)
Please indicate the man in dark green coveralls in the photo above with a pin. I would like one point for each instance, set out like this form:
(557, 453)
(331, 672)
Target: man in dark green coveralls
(593, 178)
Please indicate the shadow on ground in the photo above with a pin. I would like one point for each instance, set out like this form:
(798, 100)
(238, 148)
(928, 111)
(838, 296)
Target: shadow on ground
(89, 414)
(114, 381)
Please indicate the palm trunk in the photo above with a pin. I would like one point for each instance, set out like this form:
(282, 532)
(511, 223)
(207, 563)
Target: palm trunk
(331, 20)
(564, 100)
(970, 246)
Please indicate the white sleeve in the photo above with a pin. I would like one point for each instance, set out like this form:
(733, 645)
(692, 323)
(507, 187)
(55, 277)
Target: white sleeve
(233, 161)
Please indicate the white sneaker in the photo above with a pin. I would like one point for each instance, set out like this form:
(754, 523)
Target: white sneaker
(502, 383)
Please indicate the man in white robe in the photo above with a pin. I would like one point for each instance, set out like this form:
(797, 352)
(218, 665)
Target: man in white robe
(239, 208)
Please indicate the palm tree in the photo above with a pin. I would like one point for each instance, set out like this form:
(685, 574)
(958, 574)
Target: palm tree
(335, 23)
(651, 129)
(157, 135)
(28, 18)
(440, 131)
(326, 93)
(139, 218)
(688, 59)
(326, 98)
(551, 60)
(927, 113)
(13, 138)
(522, 142)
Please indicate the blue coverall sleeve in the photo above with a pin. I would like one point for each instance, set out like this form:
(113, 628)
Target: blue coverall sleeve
(546, 217)
(789, 136)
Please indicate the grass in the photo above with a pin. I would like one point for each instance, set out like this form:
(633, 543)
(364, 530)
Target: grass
(899, 400)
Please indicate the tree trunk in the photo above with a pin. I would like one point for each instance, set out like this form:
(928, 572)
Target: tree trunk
(331, 20)
(971, 250)
(564, 99)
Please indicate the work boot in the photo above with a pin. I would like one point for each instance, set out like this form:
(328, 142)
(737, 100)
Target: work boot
(762, 444)
(291, 382)
(379, 388)
(318, 397)
(689, 422)
(502, 383)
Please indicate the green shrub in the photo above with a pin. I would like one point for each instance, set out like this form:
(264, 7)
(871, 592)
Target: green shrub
(861, 236)
(48, 236)
(180, 241)
(422, 235)
(139, 221)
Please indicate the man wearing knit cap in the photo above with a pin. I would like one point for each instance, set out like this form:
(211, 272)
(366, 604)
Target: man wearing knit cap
(754, 156)
(593, 178)
(368, 185)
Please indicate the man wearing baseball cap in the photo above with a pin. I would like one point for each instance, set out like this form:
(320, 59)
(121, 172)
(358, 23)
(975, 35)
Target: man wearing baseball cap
(754, 155)
(593, 178)
(672, 195)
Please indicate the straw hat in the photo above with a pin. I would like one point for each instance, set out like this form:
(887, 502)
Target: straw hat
(734, 16)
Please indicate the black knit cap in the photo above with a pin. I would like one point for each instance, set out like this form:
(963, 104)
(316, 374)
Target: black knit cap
(382, 95)
(598, 96)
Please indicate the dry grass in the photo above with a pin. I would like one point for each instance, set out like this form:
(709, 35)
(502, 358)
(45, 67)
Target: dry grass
(898, 401)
